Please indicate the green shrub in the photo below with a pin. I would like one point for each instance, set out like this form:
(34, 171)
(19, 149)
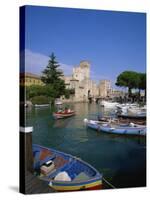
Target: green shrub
(40, 100)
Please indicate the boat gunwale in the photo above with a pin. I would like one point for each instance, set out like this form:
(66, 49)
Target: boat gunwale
(64, 114)
(115, 130)
(98, 175)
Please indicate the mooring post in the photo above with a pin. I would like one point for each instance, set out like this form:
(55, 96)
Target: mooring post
(25, 155)
(26, 147)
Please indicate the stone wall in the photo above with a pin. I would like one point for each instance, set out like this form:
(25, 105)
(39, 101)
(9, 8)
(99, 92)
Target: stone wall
(81, 82)
(104, 88)
(82, 71)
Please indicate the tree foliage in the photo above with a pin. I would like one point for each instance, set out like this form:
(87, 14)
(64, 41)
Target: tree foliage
(128, 79)
(40, 100)
(52, 78)
(132, 80)
(54, 85)
(52, 73)
(142, 82)
(35, 90)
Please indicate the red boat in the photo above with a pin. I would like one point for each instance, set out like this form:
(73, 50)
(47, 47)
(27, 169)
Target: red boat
(63, 114)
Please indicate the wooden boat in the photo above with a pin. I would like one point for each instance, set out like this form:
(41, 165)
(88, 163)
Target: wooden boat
(124, 129)
(106, 118)
(63, 114)
(64, 172)
(135, 121)
(133, 116)
(121, 120)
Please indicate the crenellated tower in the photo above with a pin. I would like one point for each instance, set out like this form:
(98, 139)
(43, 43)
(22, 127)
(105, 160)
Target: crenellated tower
(82, 71)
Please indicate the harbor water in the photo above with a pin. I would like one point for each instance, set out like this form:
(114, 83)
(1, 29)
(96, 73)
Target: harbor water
(121, 159)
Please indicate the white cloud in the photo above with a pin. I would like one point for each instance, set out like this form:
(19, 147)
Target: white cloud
(36, 62)
(67, 69)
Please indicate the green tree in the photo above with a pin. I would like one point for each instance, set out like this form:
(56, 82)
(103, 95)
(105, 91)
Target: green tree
(69, 92)
(51, 73)
(129, 79)
(142, 82)
(40, 100)
(52, 77)
(35, 90)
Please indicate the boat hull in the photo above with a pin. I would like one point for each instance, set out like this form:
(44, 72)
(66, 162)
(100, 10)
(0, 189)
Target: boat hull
(63, 115)
(72, 165)
(41, 105)
(142, 117)
(122, 129)
(107, 104)
(93, 185)
(93, 126)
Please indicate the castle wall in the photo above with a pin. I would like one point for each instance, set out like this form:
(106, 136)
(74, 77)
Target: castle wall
(105, 88)
(83, 85)
(82, 71)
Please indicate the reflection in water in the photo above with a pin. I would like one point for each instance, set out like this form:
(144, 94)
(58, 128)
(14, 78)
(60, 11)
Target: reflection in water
(121, 159)
(61, 123)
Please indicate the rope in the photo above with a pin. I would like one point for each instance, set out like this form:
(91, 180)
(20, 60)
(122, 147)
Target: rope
(109, 184)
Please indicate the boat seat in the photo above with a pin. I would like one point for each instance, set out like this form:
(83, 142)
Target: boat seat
(38, 163)
(78, 168)
(81, 177)
(48, 158)
(58, 168)
(47, 167)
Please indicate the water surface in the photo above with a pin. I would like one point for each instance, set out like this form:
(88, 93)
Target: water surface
(121, 159)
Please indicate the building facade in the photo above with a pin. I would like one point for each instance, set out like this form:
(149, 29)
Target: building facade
(105, 90)
(27, 79)
(80, 81)
(83, 88)
(118, 93)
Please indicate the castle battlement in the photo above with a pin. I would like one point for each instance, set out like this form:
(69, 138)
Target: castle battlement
(84, 64)
(82, 71)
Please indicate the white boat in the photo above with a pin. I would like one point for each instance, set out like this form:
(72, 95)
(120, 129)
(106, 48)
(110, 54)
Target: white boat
(131, 110)
(108, 104)
(58, 102)
(127, 106)
(137, 110)
(41, 105)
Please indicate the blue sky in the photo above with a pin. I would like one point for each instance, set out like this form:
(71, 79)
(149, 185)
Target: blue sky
(112, 41)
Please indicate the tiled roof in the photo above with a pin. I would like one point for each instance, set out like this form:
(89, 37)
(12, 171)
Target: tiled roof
(28, 74)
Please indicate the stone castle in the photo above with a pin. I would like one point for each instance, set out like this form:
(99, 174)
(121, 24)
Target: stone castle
(80, 83)
(85, 88)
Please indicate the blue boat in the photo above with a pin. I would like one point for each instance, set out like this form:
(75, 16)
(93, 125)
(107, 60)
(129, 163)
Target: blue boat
(64, 172)
(93, 124)
(122, 129)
